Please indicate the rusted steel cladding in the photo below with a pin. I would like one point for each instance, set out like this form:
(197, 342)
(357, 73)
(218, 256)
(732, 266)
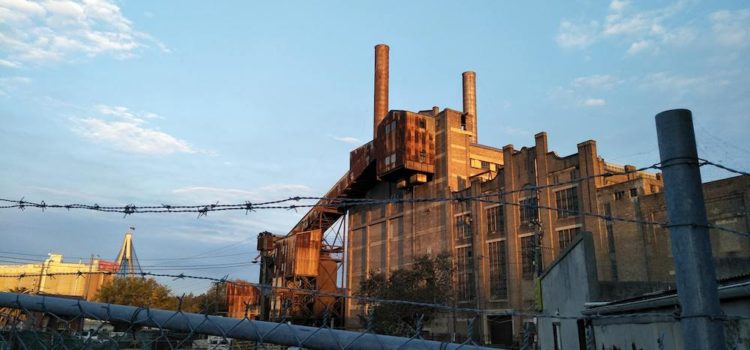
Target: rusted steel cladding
(404, 145)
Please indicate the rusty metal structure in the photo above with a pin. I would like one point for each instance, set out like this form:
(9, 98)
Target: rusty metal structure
(309, 259)
(242, 300)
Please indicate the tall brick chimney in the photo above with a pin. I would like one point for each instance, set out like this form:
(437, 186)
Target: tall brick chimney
(470, 99)
(381, 84)
(470, 93)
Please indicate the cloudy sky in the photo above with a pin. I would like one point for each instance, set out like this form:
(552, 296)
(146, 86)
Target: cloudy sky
(147, 103)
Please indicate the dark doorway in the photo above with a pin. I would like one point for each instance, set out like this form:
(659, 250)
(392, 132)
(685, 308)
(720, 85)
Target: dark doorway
(501, 330)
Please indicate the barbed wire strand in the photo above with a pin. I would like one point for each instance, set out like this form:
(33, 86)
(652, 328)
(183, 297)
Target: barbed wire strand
(346, 203)
(724, 167)
(319, 293)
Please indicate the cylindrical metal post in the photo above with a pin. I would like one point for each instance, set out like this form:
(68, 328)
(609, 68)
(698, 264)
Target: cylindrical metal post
(688, 227)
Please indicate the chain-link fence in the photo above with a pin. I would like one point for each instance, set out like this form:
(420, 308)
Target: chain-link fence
(42, 322)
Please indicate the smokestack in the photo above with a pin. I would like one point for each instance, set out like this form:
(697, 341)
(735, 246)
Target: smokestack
(470, 93)
(381, 84)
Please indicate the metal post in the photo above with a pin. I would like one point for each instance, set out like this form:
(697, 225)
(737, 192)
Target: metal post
(688, 226)
(538, 247)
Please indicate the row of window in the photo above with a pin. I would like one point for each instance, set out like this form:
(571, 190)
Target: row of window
(498, 268)
(566, 204)
(481, 164)
(621, 194)
(465, 273)
(498, 277)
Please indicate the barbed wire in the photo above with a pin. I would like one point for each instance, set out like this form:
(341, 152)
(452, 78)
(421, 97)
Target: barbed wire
(352, 202)
(344, 202)
(724, 167)
(249, 206)
(266, 290)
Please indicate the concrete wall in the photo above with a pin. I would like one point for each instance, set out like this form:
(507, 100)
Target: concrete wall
(568, 283)
(629, 333)
(639, 336)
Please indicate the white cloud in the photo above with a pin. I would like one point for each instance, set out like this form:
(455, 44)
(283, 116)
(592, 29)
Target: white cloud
(731, 28)
(664, 80)
(10, 84)
(227, 195)
(598, 81)
(640, 29)
(348, 139)
(638, 46)
(130, 137)
(617, 5)
(215, 190)
(578, 92)
(594, 102)
(679, 86)
(9, 64)
(571, 35)
(58, 30)
(128, 133)
(125, 113)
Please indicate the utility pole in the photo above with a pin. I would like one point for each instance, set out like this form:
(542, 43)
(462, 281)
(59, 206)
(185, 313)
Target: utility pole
(538, 234)
(700, 320)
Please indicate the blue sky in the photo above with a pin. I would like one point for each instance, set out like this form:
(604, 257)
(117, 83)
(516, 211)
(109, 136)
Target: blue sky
(191, 103)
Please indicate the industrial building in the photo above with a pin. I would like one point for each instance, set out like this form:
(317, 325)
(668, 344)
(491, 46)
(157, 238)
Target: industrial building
(78, 279)
(534, 202)
(44, 277)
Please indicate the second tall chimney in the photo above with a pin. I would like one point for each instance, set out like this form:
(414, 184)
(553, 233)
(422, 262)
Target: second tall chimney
(381, 85)
(470, 93)
(470, 101)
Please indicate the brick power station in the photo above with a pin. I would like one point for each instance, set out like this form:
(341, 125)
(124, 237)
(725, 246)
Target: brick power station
(535, 201)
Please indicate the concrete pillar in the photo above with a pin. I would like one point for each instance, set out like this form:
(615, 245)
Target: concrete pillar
(381, 85)
(513, 245)
(701, 320)
(546, 198)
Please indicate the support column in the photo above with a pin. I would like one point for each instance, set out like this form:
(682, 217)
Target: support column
(697, 292)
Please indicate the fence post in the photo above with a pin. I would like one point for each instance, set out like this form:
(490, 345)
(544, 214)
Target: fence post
(700, 320)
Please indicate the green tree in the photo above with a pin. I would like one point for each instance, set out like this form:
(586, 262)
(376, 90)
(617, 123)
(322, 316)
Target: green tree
(427, 281)
(212, 302)
(135, 291)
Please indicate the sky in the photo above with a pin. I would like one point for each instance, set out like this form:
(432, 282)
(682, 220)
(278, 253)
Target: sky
(148, 103)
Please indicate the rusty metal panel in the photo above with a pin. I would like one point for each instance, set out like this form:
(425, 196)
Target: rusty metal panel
(307, 253)
(265, 241)
(240, 294)
(298, 254)
(284, 256)
(360, 158)
(326, 282)
(405, 144)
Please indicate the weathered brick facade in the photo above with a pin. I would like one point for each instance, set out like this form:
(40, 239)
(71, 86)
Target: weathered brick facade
(494, 242)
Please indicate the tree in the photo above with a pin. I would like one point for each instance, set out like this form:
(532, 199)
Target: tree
(135, 291)
(427, 281)
(212, 302)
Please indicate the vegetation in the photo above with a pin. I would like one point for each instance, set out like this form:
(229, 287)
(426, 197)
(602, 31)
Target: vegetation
(135, 291)
(427, 281)
(147, 292)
